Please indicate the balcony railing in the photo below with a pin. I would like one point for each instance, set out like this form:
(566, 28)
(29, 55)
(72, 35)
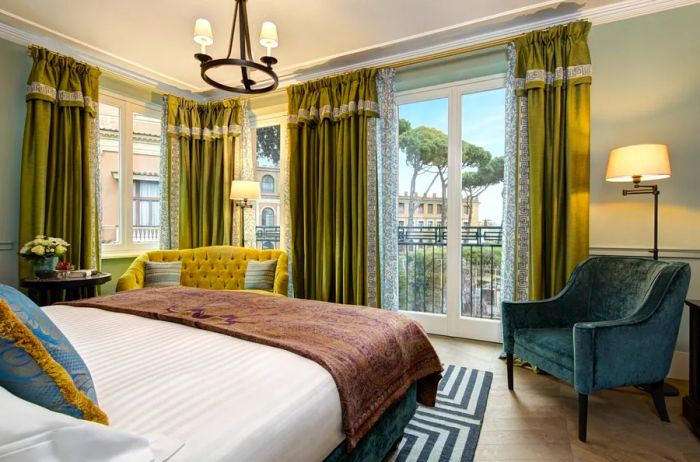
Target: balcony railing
(145, 234)
(423, 270)
(139, 234)
(267, 237)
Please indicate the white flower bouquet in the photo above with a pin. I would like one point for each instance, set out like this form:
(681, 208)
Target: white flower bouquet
(44, 247)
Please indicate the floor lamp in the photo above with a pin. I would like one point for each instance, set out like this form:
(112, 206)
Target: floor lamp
(243, 191)
(637, 163)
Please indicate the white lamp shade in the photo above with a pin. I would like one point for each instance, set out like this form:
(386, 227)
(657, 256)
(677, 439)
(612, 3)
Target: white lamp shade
(645, 161)
(202, 32)
(268, 35)
(242, 189)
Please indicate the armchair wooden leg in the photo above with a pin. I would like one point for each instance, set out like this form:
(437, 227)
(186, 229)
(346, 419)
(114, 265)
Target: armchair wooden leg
(582, 416)
(509, 366)
(657, 393)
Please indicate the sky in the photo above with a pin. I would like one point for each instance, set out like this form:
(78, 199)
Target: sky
(483, 124)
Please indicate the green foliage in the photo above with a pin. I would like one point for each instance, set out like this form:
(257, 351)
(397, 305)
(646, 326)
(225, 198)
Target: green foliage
(267, 146)
(424, 146)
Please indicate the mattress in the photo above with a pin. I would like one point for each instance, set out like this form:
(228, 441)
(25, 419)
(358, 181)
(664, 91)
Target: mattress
(224, 398)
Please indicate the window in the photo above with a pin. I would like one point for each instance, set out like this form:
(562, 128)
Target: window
(401, 222)
(267, 217)
(267, 184)
(466, 209)
(129, 144)
(420, 222)
(402, 207)
(439, 209)
(430, 222)
(420, 209)
(430, 209)
(269, 157)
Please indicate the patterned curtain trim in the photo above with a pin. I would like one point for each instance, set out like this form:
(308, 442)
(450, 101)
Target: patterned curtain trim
(369, 108)
(286, 219)
(215, 132)
(522, 276)
(372, 219)
(509, 183)
(387, 140)
(37, 90)
(95, 185)
(538, 78)
(169, 185)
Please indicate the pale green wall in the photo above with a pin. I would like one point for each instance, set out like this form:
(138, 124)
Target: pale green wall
(14, 69)
(646, 89)
(116, 267)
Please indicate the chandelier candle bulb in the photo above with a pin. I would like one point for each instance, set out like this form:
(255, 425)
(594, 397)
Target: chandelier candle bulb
(268, 36)
(203, 34)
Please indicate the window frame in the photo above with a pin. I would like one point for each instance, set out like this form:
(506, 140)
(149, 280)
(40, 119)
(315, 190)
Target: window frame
(127, 108)
(453, 323)
(262, 120)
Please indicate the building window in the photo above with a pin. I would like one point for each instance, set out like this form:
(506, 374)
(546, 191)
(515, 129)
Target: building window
(402, 207)
(267, 217)
(466, 209)
(420, 209)
(430, 209)
(267, 184)
(420, 222)
(129, 156)
(401, 222)
(430, 222)
(439, 209)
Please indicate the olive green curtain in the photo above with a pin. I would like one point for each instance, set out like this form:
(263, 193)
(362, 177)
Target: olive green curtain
(58, 195)
(200, 150)
(552, 79)
(328, 130)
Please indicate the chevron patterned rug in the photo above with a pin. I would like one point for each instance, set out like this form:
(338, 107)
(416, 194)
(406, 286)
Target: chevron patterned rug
(448, 432)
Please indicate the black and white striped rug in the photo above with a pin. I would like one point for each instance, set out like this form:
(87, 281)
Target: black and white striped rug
(448, 432)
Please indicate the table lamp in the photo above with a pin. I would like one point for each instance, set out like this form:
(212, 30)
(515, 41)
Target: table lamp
(243, 191)
(637, 163)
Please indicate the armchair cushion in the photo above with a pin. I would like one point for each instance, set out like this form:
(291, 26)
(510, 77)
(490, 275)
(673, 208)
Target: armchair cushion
(551, 349)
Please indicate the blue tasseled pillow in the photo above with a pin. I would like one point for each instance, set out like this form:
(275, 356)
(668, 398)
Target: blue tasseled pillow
(50, 337)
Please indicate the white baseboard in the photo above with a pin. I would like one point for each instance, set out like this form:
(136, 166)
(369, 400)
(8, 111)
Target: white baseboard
(680, 365)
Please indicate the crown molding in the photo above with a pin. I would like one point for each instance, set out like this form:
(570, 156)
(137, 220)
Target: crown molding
(94, 56)
(318, 68)
(601, 15)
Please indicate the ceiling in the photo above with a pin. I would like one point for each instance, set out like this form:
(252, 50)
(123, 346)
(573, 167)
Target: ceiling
(153, 39)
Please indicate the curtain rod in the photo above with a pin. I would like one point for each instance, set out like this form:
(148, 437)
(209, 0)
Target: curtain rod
(453, 52)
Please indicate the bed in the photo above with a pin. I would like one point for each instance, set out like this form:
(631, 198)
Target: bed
(208, 396)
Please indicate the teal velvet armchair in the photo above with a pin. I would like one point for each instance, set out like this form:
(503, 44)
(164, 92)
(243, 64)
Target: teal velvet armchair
(614, 324)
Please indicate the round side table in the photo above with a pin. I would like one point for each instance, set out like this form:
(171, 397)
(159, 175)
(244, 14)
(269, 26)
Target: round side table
(47, 291)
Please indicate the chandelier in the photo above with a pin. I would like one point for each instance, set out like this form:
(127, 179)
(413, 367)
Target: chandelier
(268, 38)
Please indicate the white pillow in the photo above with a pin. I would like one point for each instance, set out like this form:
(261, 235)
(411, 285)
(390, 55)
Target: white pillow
(31, 433)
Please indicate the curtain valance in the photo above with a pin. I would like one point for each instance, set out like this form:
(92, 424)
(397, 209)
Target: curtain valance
(207, 121)
(553, 57)
(56, 78)
(333, 98)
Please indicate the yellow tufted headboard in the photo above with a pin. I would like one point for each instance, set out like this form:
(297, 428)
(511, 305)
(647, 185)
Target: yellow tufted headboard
(219, 267)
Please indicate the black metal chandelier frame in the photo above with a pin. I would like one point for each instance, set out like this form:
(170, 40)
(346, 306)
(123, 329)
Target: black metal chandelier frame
(245, 62)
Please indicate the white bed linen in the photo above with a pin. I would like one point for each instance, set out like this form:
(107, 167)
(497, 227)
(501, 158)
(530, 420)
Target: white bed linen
(225, 398)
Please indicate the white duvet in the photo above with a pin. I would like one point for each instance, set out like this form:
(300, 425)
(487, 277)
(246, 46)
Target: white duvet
(224, 398)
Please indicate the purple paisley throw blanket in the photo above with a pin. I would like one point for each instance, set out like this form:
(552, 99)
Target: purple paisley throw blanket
(374, 356)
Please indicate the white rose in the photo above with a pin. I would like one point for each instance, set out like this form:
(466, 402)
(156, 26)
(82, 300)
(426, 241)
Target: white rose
(39, 236)
(45, 242)
(38, 250)
(25, 249)
(60, 250)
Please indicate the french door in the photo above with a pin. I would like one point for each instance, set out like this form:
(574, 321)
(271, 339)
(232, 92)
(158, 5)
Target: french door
(450, 208)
